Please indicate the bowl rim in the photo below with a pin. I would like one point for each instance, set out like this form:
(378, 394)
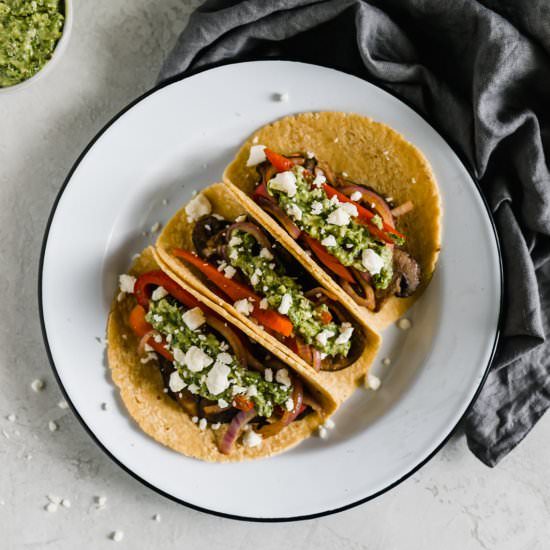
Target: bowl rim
(56, 55)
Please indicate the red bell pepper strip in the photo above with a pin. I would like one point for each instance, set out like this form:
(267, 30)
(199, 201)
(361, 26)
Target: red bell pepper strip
(326, 316)
(141, 327)
(328, 259)
(365, 215)
(281, 163)
(261, 191)
(237, 291)
(243, 404)
(159, 278)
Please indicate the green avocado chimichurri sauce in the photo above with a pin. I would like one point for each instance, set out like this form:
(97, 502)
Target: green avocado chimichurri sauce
(165, 315)
(266, 275)
(351, 239)
(29, 32)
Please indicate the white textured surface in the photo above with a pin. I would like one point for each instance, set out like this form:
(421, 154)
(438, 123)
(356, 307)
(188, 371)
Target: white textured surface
(114, 55)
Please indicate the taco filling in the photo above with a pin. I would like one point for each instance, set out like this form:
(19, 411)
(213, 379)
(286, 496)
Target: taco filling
(219, 376)
(348, 228)
(264, 282)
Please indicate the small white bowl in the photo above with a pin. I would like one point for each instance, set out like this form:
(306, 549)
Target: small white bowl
(56, 55)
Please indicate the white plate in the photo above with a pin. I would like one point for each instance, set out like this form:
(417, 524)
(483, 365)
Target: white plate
(179, 138)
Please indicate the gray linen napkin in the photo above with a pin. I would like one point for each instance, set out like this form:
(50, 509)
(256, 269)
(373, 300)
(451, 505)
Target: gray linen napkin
(480, 73)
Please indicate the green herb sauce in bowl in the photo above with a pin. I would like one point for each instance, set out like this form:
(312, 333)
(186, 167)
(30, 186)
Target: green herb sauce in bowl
(30, 31)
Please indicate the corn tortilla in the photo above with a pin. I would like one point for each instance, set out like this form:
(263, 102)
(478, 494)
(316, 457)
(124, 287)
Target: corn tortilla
(371, 153)
(141, 390)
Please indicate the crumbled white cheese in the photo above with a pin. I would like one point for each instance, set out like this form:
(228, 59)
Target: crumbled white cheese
(268, 375)
(217, 380)
(224, 358)
(176, 382)
(235, 241)
(329, 424)
(193, 318)
(264, 304)
(256, 156)
(51, 507)
(244, 307)
(179, 356)
(148, 348)
(345, 174)
(265, 253)
(202, 424)
(100, 502)
(66, 503)
(148, 358)
(159, 293)
(338, 217)
(216, 426)
(196, 359)
(157, 338)
(316, 207)
(285, 305)
(322, 432)
(282, 97)
(285, 182)
(37, 385)
(158, 318)
(386, 361)
(323, 336)
(252, 439)
(310, 154)
(63, 404)
(319, 180)
(238, 219)
(117, 536)
(156, 518)
(289, 404)
(251, 391)
(373, 382)
(345, 335)
(356, 196)
(229, 271)
(255, 139)
(223, 404)
(53, 427)
(193, 388)
(372, 261)
(404, 324)
(255, 277)
(194, 419)
(329, 241)
(350, 208)
(238, 390)
(295, 212)
(197, 208)
(155, 227)
(282, 377)
(126, 283)
(222, 266)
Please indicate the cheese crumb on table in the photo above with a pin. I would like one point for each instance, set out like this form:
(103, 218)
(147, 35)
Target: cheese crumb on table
(53, 426)
(117, 536)
(37, 385)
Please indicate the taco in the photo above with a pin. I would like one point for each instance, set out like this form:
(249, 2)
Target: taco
(198, 383)
(352, 200)
(217, 247)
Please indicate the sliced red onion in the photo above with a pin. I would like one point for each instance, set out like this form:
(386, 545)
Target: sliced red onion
(240, 420)
(280, 215)
(144, 339)
(232, 339)
(356, 298)
(288, 416)
(371, 198)
(316, 359)
(402, 209)
(252, 229)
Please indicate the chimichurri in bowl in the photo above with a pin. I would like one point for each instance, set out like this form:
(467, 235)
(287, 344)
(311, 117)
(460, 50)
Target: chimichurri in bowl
(31, 33)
